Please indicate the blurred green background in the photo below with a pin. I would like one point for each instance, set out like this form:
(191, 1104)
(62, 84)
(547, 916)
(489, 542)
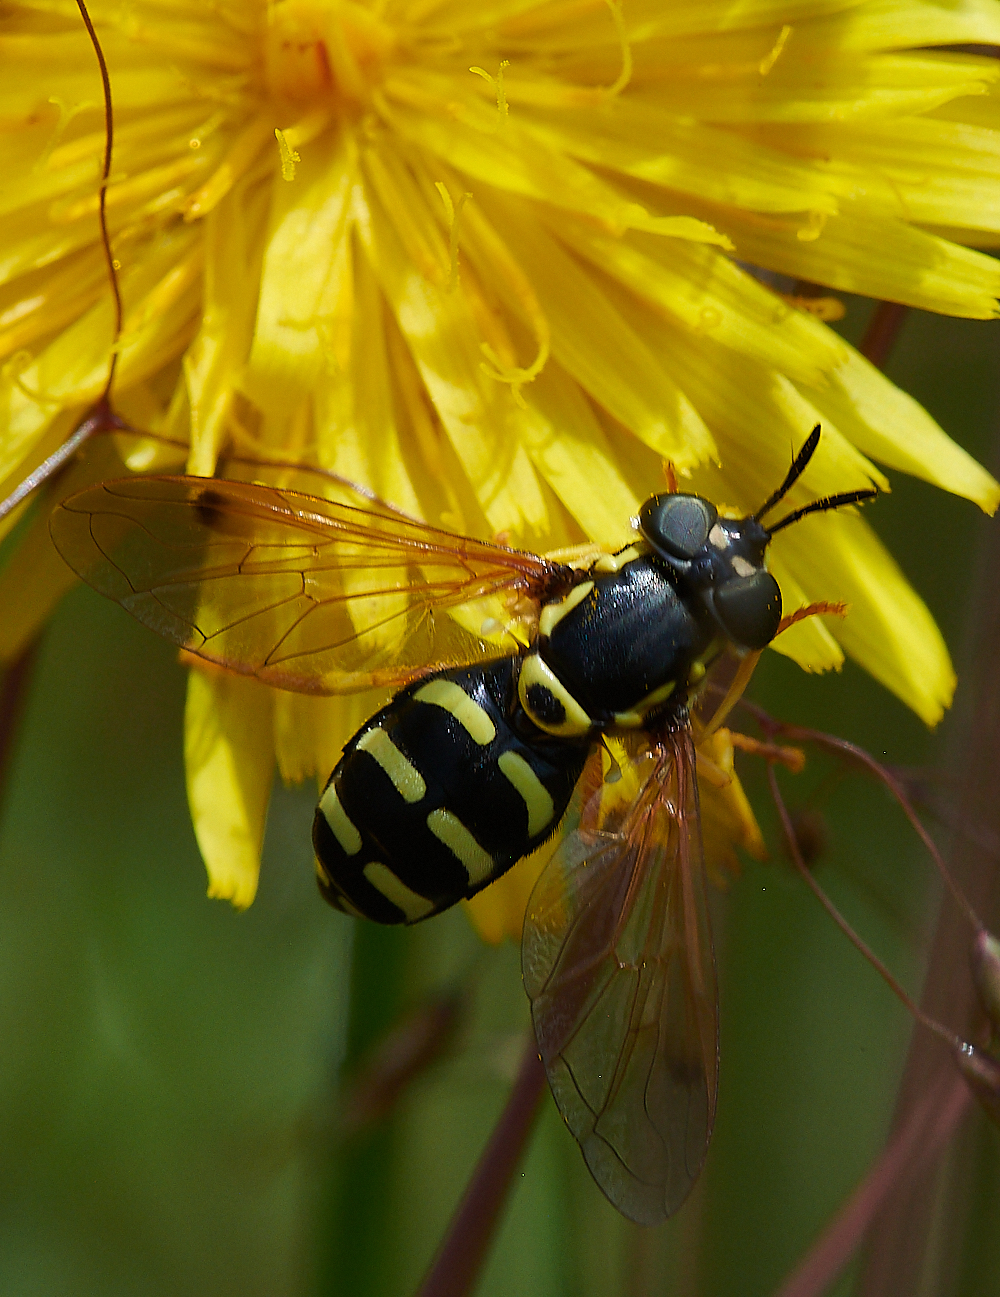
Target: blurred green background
(170, 1070)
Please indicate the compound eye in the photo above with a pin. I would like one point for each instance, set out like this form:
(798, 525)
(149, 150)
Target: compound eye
(750, 609)
(677, 525)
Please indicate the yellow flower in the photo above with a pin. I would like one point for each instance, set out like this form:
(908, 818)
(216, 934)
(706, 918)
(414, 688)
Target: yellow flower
(486, 259)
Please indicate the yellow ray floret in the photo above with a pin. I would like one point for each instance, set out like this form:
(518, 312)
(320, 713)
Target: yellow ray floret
(598, 294)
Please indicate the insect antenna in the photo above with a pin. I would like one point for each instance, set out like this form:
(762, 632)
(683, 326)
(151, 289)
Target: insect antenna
(792, 476)
(100, 417)
(828, 502)
(798, 467)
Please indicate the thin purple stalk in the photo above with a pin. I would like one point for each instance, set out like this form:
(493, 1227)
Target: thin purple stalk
(456, 1268)
(859, 756)
(914, 1147)
(920, 1207)
(949, 1037)
(109, 137)
(883, 330)
(100, 418)
(932, 1098)
(13, 696)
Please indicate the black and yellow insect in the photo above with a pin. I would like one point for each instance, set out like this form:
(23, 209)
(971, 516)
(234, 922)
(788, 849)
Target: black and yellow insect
(474, 762)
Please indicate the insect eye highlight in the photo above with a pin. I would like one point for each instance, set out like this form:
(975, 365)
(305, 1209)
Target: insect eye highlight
(677, 526)
(749, 609)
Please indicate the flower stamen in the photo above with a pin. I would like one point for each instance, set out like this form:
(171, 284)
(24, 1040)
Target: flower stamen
(497, 84)
(625, 75)
(289, 156)
(769, 60)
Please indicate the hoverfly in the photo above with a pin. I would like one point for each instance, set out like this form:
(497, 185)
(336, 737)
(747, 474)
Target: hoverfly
(497, 721)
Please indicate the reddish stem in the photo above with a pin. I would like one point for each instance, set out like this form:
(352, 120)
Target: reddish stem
(109, 136)
(463, 1249)
(883, 330)
(922, 1209)
(892, 982)
(914, 1148)
(13, 696)
(858, 756)
(101, 418)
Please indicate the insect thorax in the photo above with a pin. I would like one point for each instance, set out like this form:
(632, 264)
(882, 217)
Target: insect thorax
(622, 649)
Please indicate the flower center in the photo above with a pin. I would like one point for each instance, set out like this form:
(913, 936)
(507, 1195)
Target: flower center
(324, 50)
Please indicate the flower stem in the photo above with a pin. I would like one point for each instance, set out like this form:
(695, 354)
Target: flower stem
(893, 983)
(851, 753)
(100, 418)
(463, 1249)
(13, 695)
(109, 137)
(883, 330)
(915, 1147)
(920, 1212)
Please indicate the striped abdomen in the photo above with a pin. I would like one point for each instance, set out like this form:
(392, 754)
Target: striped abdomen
(437, 796)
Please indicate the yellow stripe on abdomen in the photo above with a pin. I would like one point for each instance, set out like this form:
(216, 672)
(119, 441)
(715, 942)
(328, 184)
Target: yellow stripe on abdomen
(450, 830)
(536, 796)
(404, 898)
(406, 778)
(453, 699)
(341, 825)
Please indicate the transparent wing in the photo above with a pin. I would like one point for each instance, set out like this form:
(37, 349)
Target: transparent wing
(318, 595)
(618, 964)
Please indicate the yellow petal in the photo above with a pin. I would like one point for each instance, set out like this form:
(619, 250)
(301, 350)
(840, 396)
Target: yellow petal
(893, 428)
(472, 138)
(31, 584)
(308, 223)
(888, 628)
(711, 296)
(759, 419)
(497, 912)
(229, 758)
(842, 88)
(217, 354)
(727, 818)
(604, 353)
(649, 142)
(35, 577)
(73, 368)
(310, 733)
(926, 171)
(359, 424)
(875, 255)
(50, 298)
(479, 415)
(568, 445)
(808, 642)
(887, 24)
